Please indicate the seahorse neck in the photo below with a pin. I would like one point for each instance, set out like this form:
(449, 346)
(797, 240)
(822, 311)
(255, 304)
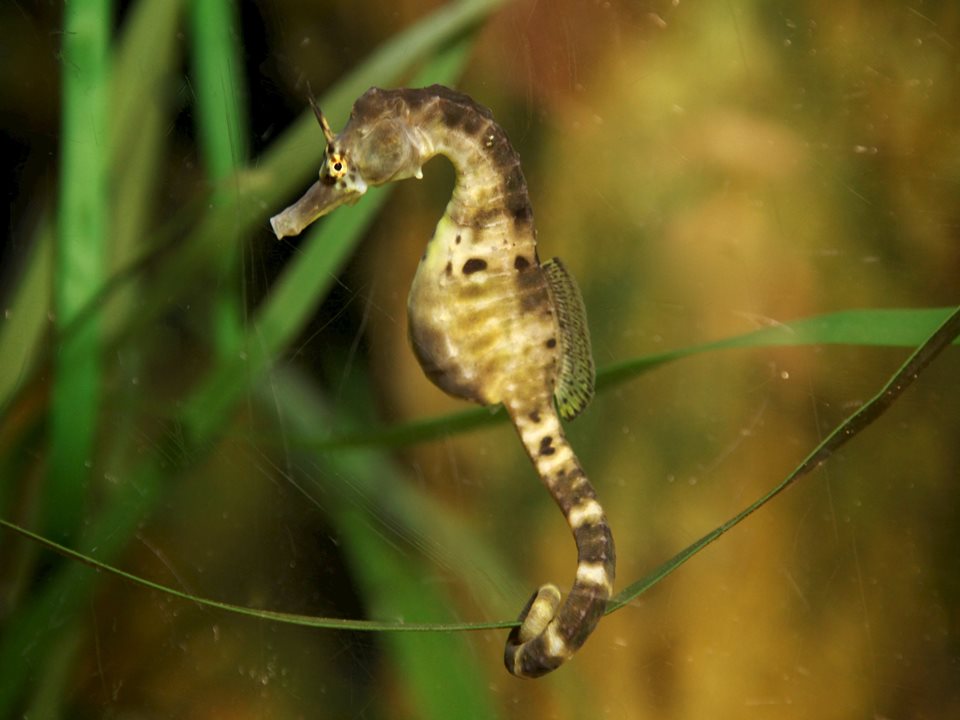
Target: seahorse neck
(489, 189)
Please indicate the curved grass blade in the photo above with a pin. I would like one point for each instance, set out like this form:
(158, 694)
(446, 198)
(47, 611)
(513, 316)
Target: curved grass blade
(888, 328)
(310, 621)
(944, 335)
(904, 377)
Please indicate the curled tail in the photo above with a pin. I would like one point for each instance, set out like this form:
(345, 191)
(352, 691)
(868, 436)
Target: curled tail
(551, 632)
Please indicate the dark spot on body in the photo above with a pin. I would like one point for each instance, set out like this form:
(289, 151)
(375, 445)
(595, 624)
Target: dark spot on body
(523, 215)
(532, 289)
(521, 263)
(546, 445)
(449, 269)
(474, 123)
(534, 416)
(551, 343)
(454, 114)
(531, 301)
(415, 97)
(474, 265)
(500, 151)
(595, 545)
(458, 239)
(328, 180)
(484, 217)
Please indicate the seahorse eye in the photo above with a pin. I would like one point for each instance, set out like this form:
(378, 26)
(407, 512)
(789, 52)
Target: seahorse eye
(336, 165)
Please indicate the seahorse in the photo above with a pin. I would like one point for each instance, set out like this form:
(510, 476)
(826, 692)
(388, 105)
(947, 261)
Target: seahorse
(487, 320)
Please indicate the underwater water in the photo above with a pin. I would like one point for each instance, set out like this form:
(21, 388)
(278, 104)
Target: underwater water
(242, 420)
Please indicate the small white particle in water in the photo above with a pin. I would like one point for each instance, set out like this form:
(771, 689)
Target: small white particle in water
(784, 375)
(692, 481)
(7, 314)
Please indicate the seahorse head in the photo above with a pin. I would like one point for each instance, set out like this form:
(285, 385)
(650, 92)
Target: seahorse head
(378, 145)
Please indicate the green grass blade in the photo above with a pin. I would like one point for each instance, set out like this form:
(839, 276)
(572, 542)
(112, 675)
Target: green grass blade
(146, 65)
(82, 220)
(219, 89)
(219, 92)
(23, 325)
(946, 332)
(307, 621)
(884, 328)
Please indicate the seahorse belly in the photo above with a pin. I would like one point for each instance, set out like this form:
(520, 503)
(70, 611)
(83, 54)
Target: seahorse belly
(482, 329)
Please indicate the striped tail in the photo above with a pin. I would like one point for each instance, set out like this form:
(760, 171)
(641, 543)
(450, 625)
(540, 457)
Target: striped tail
(551, 632)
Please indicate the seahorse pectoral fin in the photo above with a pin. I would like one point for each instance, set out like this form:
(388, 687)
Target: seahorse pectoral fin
(320, 199)
(575, 381)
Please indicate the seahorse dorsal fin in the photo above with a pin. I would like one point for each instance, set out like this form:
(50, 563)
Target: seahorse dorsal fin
(576, 378)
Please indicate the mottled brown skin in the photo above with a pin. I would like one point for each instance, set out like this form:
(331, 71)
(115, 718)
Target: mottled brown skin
(483, 319)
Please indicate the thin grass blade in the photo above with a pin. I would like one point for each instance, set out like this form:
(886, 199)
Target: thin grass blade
(82, 220)
(221, 119)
